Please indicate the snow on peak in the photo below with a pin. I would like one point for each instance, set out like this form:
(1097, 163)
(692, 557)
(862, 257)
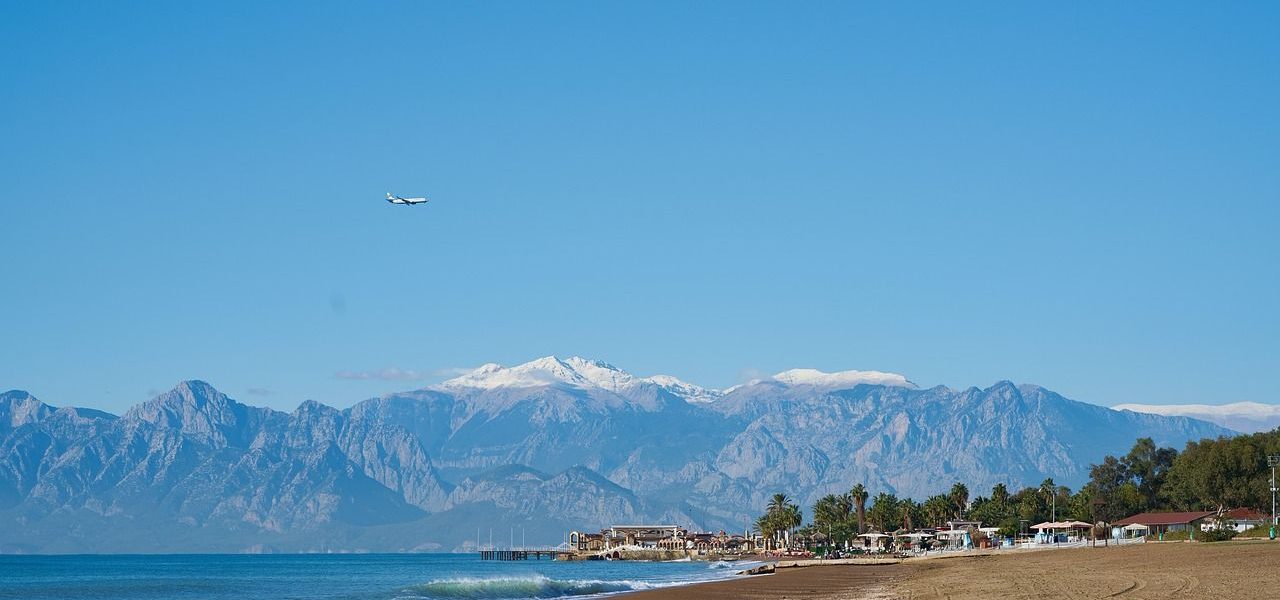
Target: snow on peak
(548, 370)
(1245, 417)
(689, 391)
(592, 374)
(577, 372)
(600, 373)
(818, 378)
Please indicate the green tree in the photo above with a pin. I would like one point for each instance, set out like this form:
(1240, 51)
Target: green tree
(1000, 510)
(1148, 468)
(832, 511)
(912, 514)
(885, 513)
(767, 527)
(1109, 492)
(1000, 495)
(778, 502)
(1222, 474)
(959, 496)
(1056, 498)
(1030, 504)
(859, 496)
(781, 515)
(937, 509)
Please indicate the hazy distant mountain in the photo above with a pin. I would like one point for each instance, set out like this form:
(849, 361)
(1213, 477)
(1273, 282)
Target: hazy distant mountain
(537, 448)
(1245, 417)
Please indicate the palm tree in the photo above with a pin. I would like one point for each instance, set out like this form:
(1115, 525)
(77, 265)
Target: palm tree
(781, 515)
(792, 517)
(936, 509)
(778, 503)
(767, 528)
(886, 512)
(1050, 490)
(1000, 495)
(832, 510)
(859, 495)
(845, 506)
(959, 498)
(909, 509)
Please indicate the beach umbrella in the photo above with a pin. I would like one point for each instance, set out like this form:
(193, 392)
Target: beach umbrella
(1136, 527)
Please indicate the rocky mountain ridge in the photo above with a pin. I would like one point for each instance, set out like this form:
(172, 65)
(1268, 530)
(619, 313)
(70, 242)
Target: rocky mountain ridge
(546, 446)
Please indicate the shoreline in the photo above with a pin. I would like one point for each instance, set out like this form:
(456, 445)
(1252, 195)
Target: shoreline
(797, 581)
(1154, 571)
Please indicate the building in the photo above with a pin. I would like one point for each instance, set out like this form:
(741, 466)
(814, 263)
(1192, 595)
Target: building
(1239, 519)
(1165, 522)
(668, 537)
(721, 543)
(586, 542)
(661, 537)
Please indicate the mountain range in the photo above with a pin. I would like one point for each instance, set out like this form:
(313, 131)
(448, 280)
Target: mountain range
(521, 453)
(1245, 417)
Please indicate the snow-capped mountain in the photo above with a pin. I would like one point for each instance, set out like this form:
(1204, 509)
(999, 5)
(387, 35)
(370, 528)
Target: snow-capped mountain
(587, 373)
(548, 445)
(1245, 417)
(577, 372)
(548, 370)
(684, 389)
(817, 378)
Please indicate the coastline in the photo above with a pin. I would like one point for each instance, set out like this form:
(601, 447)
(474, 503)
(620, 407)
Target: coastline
(835, 581)
(1152, 571)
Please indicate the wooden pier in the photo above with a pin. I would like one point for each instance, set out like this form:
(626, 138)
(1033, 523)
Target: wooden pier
(524, 554)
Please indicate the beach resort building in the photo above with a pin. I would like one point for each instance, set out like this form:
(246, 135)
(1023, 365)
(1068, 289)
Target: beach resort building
(660, 537)
(1239, 519)
(719, 543)
(1165, 522)
(668, 537)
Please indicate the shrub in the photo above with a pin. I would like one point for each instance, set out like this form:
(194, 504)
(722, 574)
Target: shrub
(1260, 531)
(1216, 535)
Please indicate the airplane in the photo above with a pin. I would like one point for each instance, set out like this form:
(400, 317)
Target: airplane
(409, 201)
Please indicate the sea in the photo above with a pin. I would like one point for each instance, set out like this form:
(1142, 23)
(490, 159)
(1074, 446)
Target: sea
(335, 577)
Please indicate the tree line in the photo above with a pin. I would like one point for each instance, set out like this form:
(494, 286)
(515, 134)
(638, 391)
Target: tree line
(1211, 475)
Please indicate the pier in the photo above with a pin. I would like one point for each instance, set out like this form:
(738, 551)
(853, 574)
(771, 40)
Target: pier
(525, 554)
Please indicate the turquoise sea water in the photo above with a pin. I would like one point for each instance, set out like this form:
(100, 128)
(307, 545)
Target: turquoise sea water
(345, 577)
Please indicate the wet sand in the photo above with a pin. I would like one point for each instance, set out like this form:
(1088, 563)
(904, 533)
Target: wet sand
(1154, 571)
(807, 582)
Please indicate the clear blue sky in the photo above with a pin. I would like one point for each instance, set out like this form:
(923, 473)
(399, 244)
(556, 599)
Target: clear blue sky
(1080, 195)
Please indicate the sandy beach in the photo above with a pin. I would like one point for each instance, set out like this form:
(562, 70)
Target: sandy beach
(807, 582)
(1235, 570)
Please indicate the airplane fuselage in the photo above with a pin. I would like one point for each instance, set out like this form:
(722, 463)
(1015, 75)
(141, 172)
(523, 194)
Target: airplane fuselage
(406, 201)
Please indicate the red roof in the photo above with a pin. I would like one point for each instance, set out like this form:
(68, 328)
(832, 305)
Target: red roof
(1244, 514)
(1164, 518)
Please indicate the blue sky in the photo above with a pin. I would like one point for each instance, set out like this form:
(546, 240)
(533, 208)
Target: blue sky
(1081, 195)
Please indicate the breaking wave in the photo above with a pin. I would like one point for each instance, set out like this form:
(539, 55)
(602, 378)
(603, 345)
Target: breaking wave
(721, 564)
(535, 586)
